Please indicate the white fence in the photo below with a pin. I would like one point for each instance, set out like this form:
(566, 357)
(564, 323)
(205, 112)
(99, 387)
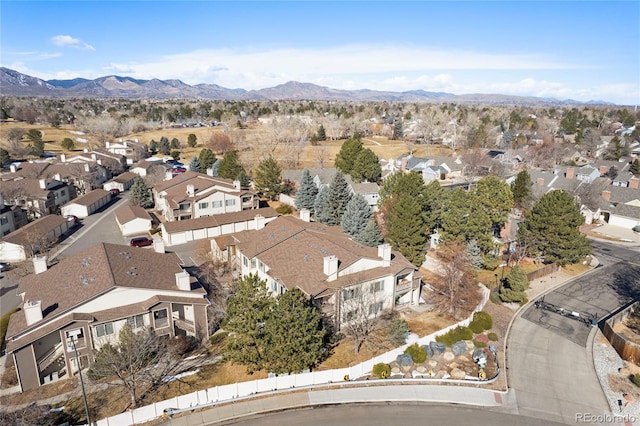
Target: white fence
(244, 389)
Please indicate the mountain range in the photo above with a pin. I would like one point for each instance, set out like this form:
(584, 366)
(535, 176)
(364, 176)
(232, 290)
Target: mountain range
(17, 84)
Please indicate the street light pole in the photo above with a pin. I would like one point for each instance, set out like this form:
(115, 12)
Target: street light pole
(84, 394)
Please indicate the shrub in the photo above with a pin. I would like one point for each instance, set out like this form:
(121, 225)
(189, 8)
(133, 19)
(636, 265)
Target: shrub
(458, 333)
(153, 231)
(284, 209)
(4, 323)
(181, 345)
(495, 297)
(381, 370)
(493, 337)
(481, 321)
(398, 331)
(217, 338)
(636, 379)
(478, 344)
(417, 354)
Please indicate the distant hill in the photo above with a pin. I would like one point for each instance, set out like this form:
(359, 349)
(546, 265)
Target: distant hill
(18, 84)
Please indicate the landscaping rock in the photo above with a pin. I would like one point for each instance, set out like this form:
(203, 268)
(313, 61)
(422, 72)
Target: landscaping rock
(404, 360)
(441, 374)
(448, 356)
(437, 347)
(470, 345)
(459, 348)
(457, 374)
(421, 369)
(432, 363)
(428, 349)
(463, 358)
(453, 365)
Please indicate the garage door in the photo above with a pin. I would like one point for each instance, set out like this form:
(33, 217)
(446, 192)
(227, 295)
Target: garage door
(178, 238)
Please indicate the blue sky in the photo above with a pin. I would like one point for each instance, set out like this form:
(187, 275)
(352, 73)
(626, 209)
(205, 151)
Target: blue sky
(581, 50)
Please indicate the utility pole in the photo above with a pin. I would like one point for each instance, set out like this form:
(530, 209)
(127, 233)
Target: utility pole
(73, 334)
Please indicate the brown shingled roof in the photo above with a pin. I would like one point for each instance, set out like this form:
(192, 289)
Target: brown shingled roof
(218, 219)
(41, 226)
(127, 213)
(90, 197)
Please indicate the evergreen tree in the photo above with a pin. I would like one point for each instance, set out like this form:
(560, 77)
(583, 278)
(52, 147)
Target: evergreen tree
(307, 193)
(244, 179)
(175, 143)
(635, 167)
(513, 287)
(194, 165)
(551, 229)
(175, 154)
(153, 147)
(164, 147)
(338, 197)
(475, 255)
(496, 198)
(370, 235)
(192, 140)
(207, 158)
(140, 194)
(67, 143)
(294, 334)
(5, 158)
(348, 154)
(398, 133)
(521, 190)
(268, 179)
(464, 218)
(37, 144)
(248, 311)
(215, 167)
(356, 216)
(318, 206)
(230, 166)
(366, 167)
(406, 231)
(322, 134)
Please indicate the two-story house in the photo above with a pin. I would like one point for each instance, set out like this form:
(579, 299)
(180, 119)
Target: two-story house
(192, 195)
(132, 150)
(11, 217)
(343, 278)
(39, 197)
(90, 296)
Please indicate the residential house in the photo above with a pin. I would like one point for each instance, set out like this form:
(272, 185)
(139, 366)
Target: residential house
(132, 150)
(39, 197)
(90, 296)
(122, 182)
(33, 238)
(623, 204)
(339, 275)
(586, 173)
(132, 220)
(11, 217)
(87, 204)
(192, 195)
(145, 167)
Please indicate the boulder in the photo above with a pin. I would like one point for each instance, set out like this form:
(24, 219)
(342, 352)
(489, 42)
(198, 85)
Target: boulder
(404, 360)
(428, 349)
(448, 356)
(432, 364)
(463, 358)
(441, 374)
(459, 348)
(453, 365)
(437, 347)
(457, 374)
(421, 369)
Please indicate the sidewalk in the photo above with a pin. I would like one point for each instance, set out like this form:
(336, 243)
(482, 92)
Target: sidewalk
(359, 394)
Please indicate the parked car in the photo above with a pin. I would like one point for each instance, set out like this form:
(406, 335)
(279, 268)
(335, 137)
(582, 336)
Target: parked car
(114, 192)
(140, 242)
(72, 218)
(3, 266)
(178, 170)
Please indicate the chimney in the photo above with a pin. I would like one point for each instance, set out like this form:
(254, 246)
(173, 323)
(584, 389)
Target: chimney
(183, 281)
(120, 140)
(94, 157)
(39, 264)
(571, 173)
(330, 268)
(384, 252)
(87, 167)
(126, 145)
(305, 214)
(13, 168)
(168, 175)
(191, 190)
(135, 140)
(258, 220)
(606, 195)
(540, 181)
(107, 144)
(43, 183)
(86, 150)
(633, 182)
(57, 177)
(63, 158)
(236, 185)
(210, 171)
(603, 170)
(158, 245)
(32, 311)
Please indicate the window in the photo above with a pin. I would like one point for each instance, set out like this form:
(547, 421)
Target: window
(274, 287)
(203, 205)
(216, 204)
(245, 261)
(136, 321)
(253, 264)
(63, 193)
(231, 202)
(375, 308)
(260, 266)
(349, 293)
(4, 220)
(160, 318)
(351, 315)
(377, 286)
(246, 199)
(104, 329)
(185, 206)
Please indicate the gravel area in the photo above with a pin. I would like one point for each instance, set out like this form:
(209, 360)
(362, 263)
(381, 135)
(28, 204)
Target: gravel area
(614, 383)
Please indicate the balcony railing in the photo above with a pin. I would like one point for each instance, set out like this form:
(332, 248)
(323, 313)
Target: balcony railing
(403, 286)
(185, 324)
(50, 357)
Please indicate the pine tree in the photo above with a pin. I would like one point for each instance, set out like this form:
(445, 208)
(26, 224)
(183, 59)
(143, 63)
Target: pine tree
(230, 166)
(192, 140)
(635, 167)
(348, 154)
(322, 134)
(294, 334)
(215, 167)
(320, 202)
(356, 216)
(244, 179)
(307, 193)
(140, 194)
(5, 158)
(175, 143)
(513, 287)
(153, 147)
(67, 143)
(370, 235)
(207, 158)
(406, 230)
(475, 255)
(496, 199)
(398, 133)
(164, 147)
(521, 190)
(37, 144)
(463, 218)
(194, 165)
(268, 179)
(551, 229)
(248, 311)
(338, 197)
(366, 167)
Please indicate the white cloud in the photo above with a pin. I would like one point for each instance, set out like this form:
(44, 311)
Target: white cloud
(68, 41)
